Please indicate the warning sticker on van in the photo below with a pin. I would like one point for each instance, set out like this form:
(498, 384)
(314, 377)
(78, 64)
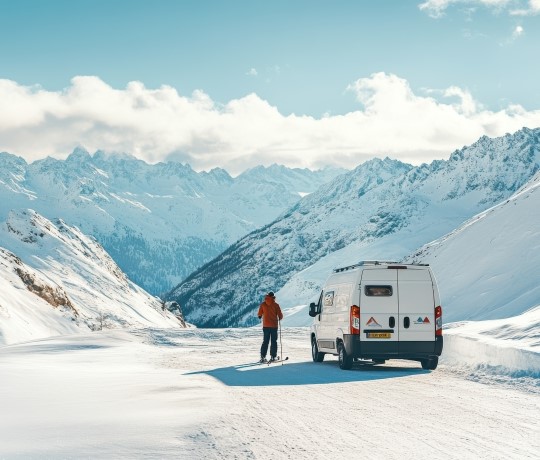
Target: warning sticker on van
(422, 321)
(372, 322)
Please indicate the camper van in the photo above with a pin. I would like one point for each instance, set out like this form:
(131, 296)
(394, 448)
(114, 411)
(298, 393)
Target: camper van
(377, 310)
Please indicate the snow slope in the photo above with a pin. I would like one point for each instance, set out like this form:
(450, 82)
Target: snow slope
(488, 267)
(25, 315)
(381, 210)
(192, 394)
(485, 269)
(56, 280)
(158, 222)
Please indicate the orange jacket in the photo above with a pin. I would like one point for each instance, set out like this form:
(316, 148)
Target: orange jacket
(270, 312)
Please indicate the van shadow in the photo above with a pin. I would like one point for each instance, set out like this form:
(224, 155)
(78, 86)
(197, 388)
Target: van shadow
(305, 373)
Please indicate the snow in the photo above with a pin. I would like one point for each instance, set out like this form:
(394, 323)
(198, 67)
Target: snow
(151, 211)
(485, 269)
(508, 347)
(89, 289)
(156, 390)
(195, 394)
(383, 210)
(24, 315)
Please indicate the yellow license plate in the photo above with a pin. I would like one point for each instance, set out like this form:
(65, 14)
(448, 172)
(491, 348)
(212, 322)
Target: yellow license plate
(378, 335)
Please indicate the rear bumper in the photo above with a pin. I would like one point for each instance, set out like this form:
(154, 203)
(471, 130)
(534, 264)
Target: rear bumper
(391, 350)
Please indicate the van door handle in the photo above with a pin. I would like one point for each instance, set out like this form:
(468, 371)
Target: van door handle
(406, 322)
(392, 322)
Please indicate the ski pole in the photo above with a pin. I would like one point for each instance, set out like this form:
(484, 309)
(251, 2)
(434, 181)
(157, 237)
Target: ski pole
(280, 343)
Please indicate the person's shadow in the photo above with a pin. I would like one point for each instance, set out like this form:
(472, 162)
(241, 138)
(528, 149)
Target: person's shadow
(304, 373)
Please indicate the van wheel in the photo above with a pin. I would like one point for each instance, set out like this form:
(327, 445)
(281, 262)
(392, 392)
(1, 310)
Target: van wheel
(430, 363)
(345, 361)
(315, 353)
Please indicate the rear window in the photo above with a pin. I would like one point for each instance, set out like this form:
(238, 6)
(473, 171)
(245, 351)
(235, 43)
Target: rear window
(378, 291)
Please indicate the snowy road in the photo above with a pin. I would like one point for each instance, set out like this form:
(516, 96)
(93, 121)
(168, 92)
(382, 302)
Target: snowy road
(192, 394)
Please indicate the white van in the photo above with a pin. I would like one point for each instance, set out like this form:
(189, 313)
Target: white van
(376, 311)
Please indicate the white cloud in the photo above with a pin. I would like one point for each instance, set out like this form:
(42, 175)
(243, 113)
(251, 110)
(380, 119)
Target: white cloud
(437, 8)
(160, 124)
(532, 9)
(252, 72)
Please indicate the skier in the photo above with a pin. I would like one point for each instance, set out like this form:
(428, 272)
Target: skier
(271, 314)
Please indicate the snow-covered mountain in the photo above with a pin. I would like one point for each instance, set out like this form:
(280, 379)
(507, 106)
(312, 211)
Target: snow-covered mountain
(382, 209)
(158, 222)
(55, 280)
(488, 267)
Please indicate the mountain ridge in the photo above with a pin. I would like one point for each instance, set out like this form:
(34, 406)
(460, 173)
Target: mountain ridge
(159, 222)
(372, 217)
(55, 279)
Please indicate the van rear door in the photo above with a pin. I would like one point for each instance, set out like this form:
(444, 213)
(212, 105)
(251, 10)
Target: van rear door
(379, 310)
(416, 305)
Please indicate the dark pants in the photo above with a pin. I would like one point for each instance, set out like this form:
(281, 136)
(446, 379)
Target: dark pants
(269, 333)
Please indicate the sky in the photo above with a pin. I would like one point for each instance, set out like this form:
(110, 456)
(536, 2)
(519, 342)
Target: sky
(307, 83)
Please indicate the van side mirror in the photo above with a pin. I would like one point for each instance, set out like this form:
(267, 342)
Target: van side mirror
(313, 309)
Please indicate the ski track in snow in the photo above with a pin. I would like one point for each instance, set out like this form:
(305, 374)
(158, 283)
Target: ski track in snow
(197, 394)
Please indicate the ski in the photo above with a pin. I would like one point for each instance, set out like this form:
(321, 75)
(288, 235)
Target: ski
(277, 360)
(256, 363)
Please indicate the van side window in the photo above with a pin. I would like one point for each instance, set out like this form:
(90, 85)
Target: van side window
(378, 291)
(328, 299)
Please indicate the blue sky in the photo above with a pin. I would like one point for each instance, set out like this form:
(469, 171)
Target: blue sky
(300, 57)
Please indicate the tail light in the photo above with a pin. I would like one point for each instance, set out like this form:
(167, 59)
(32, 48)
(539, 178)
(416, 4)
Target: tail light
(438, 321)
(355, 319)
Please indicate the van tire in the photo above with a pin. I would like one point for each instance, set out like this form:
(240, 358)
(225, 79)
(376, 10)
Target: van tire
(317, 356)
(430, 363)
(345, 361)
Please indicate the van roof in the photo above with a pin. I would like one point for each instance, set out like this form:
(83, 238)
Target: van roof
(388, 264)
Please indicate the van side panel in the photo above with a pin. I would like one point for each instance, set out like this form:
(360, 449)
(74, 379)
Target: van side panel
(343, 310)
(334, 317)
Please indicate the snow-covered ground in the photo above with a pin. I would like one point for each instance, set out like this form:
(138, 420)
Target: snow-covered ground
(195, 394)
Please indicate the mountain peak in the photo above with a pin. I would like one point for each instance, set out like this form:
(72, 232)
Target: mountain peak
(220, 175)
(9, 158)
(79, 155)
(103, 156)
